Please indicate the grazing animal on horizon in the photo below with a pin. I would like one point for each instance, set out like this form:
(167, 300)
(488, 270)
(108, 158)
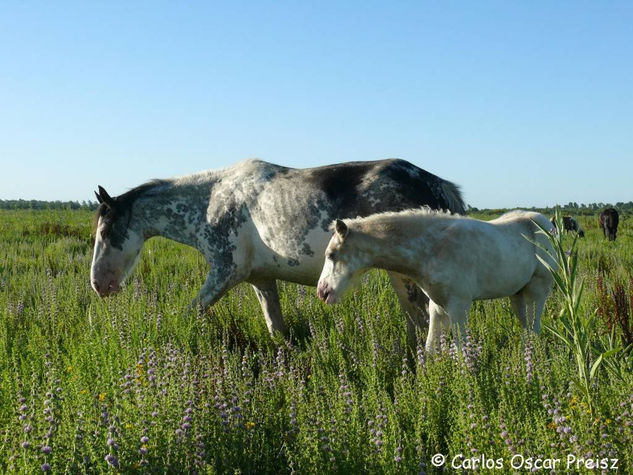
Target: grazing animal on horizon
(570, 224)
(454, 259)
(257, 222)
(608, 221)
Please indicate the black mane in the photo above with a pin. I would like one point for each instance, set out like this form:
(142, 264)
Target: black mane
(121, 206)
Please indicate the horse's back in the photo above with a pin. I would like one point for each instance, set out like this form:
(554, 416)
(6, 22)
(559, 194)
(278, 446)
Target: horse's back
(292, 208)
(358, 189)
(307, 197)
(527, 226)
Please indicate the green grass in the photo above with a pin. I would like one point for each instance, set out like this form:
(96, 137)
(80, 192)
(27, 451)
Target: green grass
(159, 390)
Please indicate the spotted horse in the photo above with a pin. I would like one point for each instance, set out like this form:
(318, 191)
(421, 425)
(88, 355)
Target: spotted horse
(257, 222)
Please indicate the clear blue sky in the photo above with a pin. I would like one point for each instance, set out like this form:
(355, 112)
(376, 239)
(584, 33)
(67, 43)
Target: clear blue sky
(521, 103)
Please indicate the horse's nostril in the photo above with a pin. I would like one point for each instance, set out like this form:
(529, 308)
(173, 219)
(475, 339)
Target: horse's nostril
(323, 293)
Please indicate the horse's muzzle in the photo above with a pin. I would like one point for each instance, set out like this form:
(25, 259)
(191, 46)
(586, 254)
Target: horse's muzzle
(326, 293)
(103, 290)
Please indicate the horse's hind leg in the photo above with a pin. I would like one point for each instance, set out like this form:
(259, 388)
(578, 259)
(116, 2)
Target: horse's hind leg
(534, 295)
(268, 297)
(414, 304)
(518, 306)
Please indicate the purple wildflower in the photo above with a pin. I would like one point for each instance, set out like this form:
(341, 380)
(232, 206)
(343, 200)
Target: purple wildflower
(529, 366)
(112, 460)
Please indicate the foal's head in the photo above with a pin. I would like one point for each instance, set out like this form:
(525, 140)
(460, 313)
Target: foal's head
(343, 261)
(117, 243)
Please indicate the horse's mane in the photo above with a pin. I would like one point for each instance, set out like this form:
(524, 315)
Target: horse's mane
(123, 203)
(454, 197)
(409, 213)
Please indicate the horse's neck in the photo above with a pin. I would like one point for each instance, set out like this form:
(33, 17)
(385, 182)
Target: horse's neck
(176, 212)
(402, 251)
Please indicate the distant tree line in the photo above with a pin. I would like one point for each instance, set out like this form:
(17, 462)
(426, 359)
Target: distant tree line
(39, 204)
(571, 209)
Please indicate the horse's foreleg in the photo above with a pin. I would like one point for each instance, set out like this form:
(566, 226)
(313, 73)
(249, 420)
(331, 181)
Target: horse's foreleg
(454, 313)
(414, 304)
(217, 283)
(268, 297)
(457, 309)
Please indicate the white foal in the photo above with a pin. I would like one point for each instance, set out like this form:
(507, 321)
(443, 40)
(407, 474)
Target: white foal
(454, 259)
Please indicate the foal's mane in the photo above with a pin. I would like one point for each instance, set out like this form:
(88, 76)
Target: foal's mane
(122, 204)
(409, 213)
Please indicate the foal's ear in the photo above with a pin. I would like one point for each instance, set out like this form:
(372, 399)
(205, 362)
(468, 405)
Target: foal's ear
(341, 229)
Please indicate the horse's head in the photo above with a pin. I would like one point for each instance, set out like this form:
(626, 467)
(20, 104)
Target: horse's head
(117, 244)
(343, 261)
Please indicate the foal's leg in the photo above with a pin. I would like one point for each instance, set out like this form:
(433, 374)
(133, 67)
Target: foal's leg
(518, 306)
(455, 313)
(439, 321)
(535, 295)
(414, 304)
(458, 309)
(268, 297)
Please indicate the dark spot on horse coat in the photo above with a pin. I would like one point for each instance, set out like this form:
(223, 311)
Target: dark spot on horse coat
(408, 177)
(341, 183)
(306, 250)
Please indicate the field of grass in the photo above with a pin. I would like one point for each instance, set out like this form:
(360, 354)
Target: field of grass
(136, 384)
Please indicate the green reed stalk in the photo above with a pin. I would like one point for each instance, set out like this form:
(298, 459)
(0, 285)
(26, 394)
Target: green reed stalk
(578, 327)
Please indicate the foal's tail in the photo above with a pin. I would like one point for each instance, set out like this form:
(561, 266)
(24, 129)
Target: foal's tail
(453, 197)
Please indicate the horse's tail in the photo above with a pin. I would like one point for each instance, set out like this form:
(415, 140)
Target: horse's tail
(453, 197)
(543, 245)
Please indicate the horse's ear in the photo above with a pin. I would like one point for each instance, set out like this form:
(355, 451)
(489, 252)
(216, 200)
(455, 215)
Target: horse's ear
(341, 229)
(104, 197)
(99, 200)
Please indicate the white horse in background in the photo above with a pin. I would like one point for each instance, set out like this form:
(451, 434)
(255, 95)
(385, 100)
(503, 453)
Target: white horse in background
(454, 259)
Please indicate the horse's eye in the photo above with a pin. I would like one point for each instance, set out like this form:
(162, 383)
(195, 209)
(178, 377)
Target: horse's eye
(331, 256)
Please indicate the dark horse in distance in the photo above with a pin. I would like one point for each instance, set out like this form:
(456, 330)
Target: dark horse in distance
(608, 221)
